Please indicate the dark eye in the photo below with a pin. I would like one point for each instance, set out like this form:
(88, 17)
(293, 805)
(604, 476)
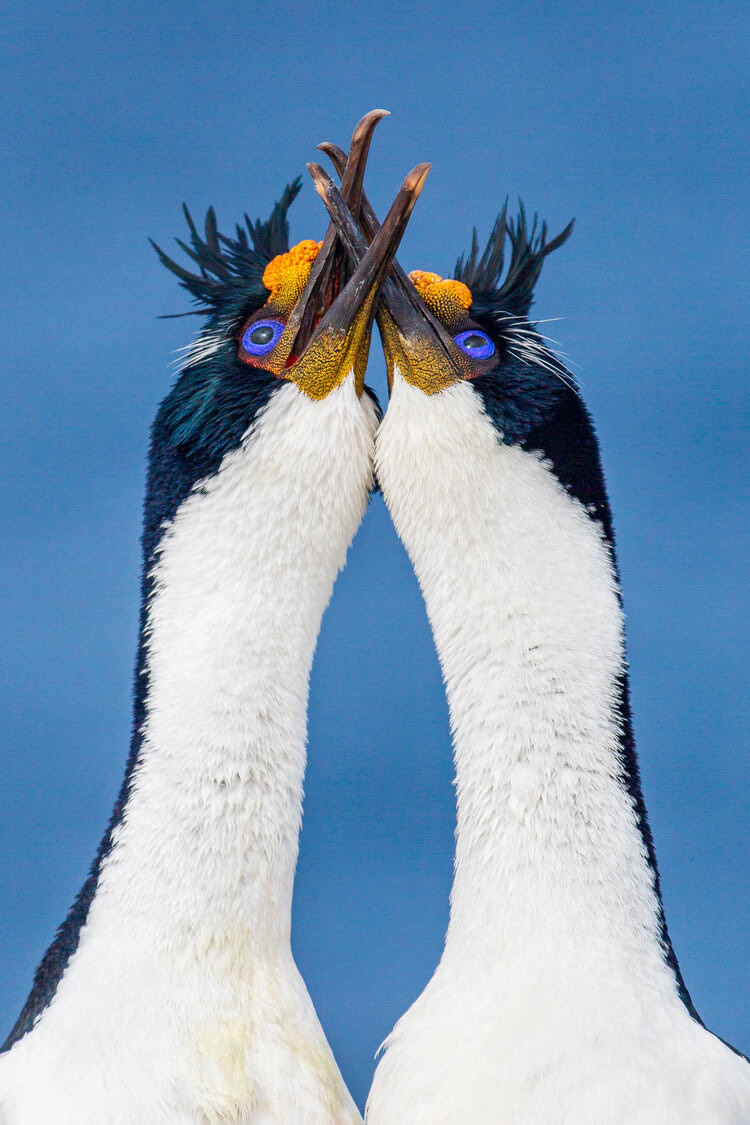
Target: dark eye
(475, 343)
(261, 337)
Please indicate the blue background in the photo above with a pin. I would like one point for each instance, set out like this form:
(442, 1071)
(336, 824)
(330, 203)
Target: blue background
(628, 116)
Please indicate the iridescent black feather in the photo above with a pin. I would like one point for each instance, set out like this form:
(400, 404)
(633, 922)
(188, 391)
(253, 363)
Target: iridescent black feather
(501, 307)
(228, 266)
(206, 415)
(529, 248)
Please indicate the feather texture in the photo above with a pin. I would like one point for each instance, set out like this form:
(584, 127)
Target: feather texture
(226, 264)
(529, 248)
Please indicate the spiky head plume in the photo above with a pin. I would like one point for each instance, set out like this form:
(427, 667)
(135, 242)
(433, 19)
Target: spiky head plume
(231, 268)
(529, 248)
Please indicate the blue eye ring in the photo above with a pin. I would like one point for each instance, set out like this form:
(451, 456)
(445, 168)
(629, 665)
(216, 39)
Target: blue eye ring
(261, 347)
(483, 351)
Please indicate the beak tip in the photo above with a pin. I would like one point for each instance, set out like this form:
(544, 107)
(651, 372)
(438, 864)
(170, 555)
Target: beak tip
(367, 123)
(320, 178)
(415, 181)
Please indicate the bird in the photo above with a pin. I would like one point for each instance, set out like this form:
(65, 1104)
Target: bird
(558, 999)
(170, 994)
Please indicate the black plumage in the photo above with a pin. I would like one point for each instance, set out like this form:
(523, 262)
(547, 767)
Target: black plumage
(205, 415)
(231, 266)
(533, 401)
(529, 248)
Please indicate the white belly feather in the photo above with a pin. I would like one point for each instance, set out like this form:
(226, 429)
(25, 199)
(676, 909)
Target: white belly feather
(182, 1003)
(553, 1003)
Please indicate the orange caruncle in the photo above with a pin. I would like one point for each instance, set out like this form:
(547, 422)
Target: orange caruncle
(286, 275)
(448, 299)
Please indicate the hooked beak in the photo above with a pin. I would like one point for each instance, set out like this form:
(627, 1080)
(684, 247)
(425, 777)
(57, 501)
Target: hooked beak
(416, 344)
(328, 334)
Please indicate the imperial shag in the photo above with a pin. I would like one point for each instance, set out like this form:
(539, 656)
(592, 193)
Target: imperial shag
(558, 998)
(169, 994)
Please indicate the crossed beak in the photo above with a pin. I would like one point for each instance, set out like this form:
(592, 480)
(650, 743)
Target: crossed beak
(328, 334)
(416, 344)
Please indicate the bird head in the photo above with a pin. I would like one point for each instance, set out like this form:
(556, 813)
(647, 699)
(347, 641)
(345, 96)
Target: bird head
(475, 328)
(275, 315)
(472, 328)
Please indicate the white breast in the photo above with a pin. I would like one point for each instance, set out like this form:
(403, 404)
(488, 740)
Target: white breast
(552, 1004)
(183, 1003)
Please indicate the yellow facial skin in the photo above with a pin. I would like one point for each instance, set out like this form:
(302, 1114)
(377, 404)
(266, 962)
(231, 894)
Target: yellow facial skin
(423, 360)
(330, 356)
(414, 357)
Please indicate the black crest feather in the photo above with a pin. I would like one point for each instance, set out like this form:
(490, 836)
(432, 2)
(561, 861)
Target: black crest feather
(227, 264)
(529, 248)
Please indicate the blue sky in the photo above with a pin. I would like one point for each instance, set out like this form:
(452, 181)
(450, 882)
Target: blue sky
(628, 117)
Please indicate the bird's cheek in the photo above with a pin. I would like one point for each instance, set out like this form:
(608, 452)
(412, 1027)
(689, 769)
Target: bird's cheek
(416, 360)
(327, 362)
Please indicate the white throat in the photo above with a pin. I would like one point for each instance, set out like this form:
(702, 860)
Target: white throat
(554, 935)
(183, 975)
(243, 577)
(522, 598)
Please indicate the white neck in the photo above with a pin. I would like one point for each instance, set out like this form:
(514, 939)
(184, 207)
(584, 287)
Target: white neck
(553, 1000)
(183, 994)
(523, 602)
(242, 579)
